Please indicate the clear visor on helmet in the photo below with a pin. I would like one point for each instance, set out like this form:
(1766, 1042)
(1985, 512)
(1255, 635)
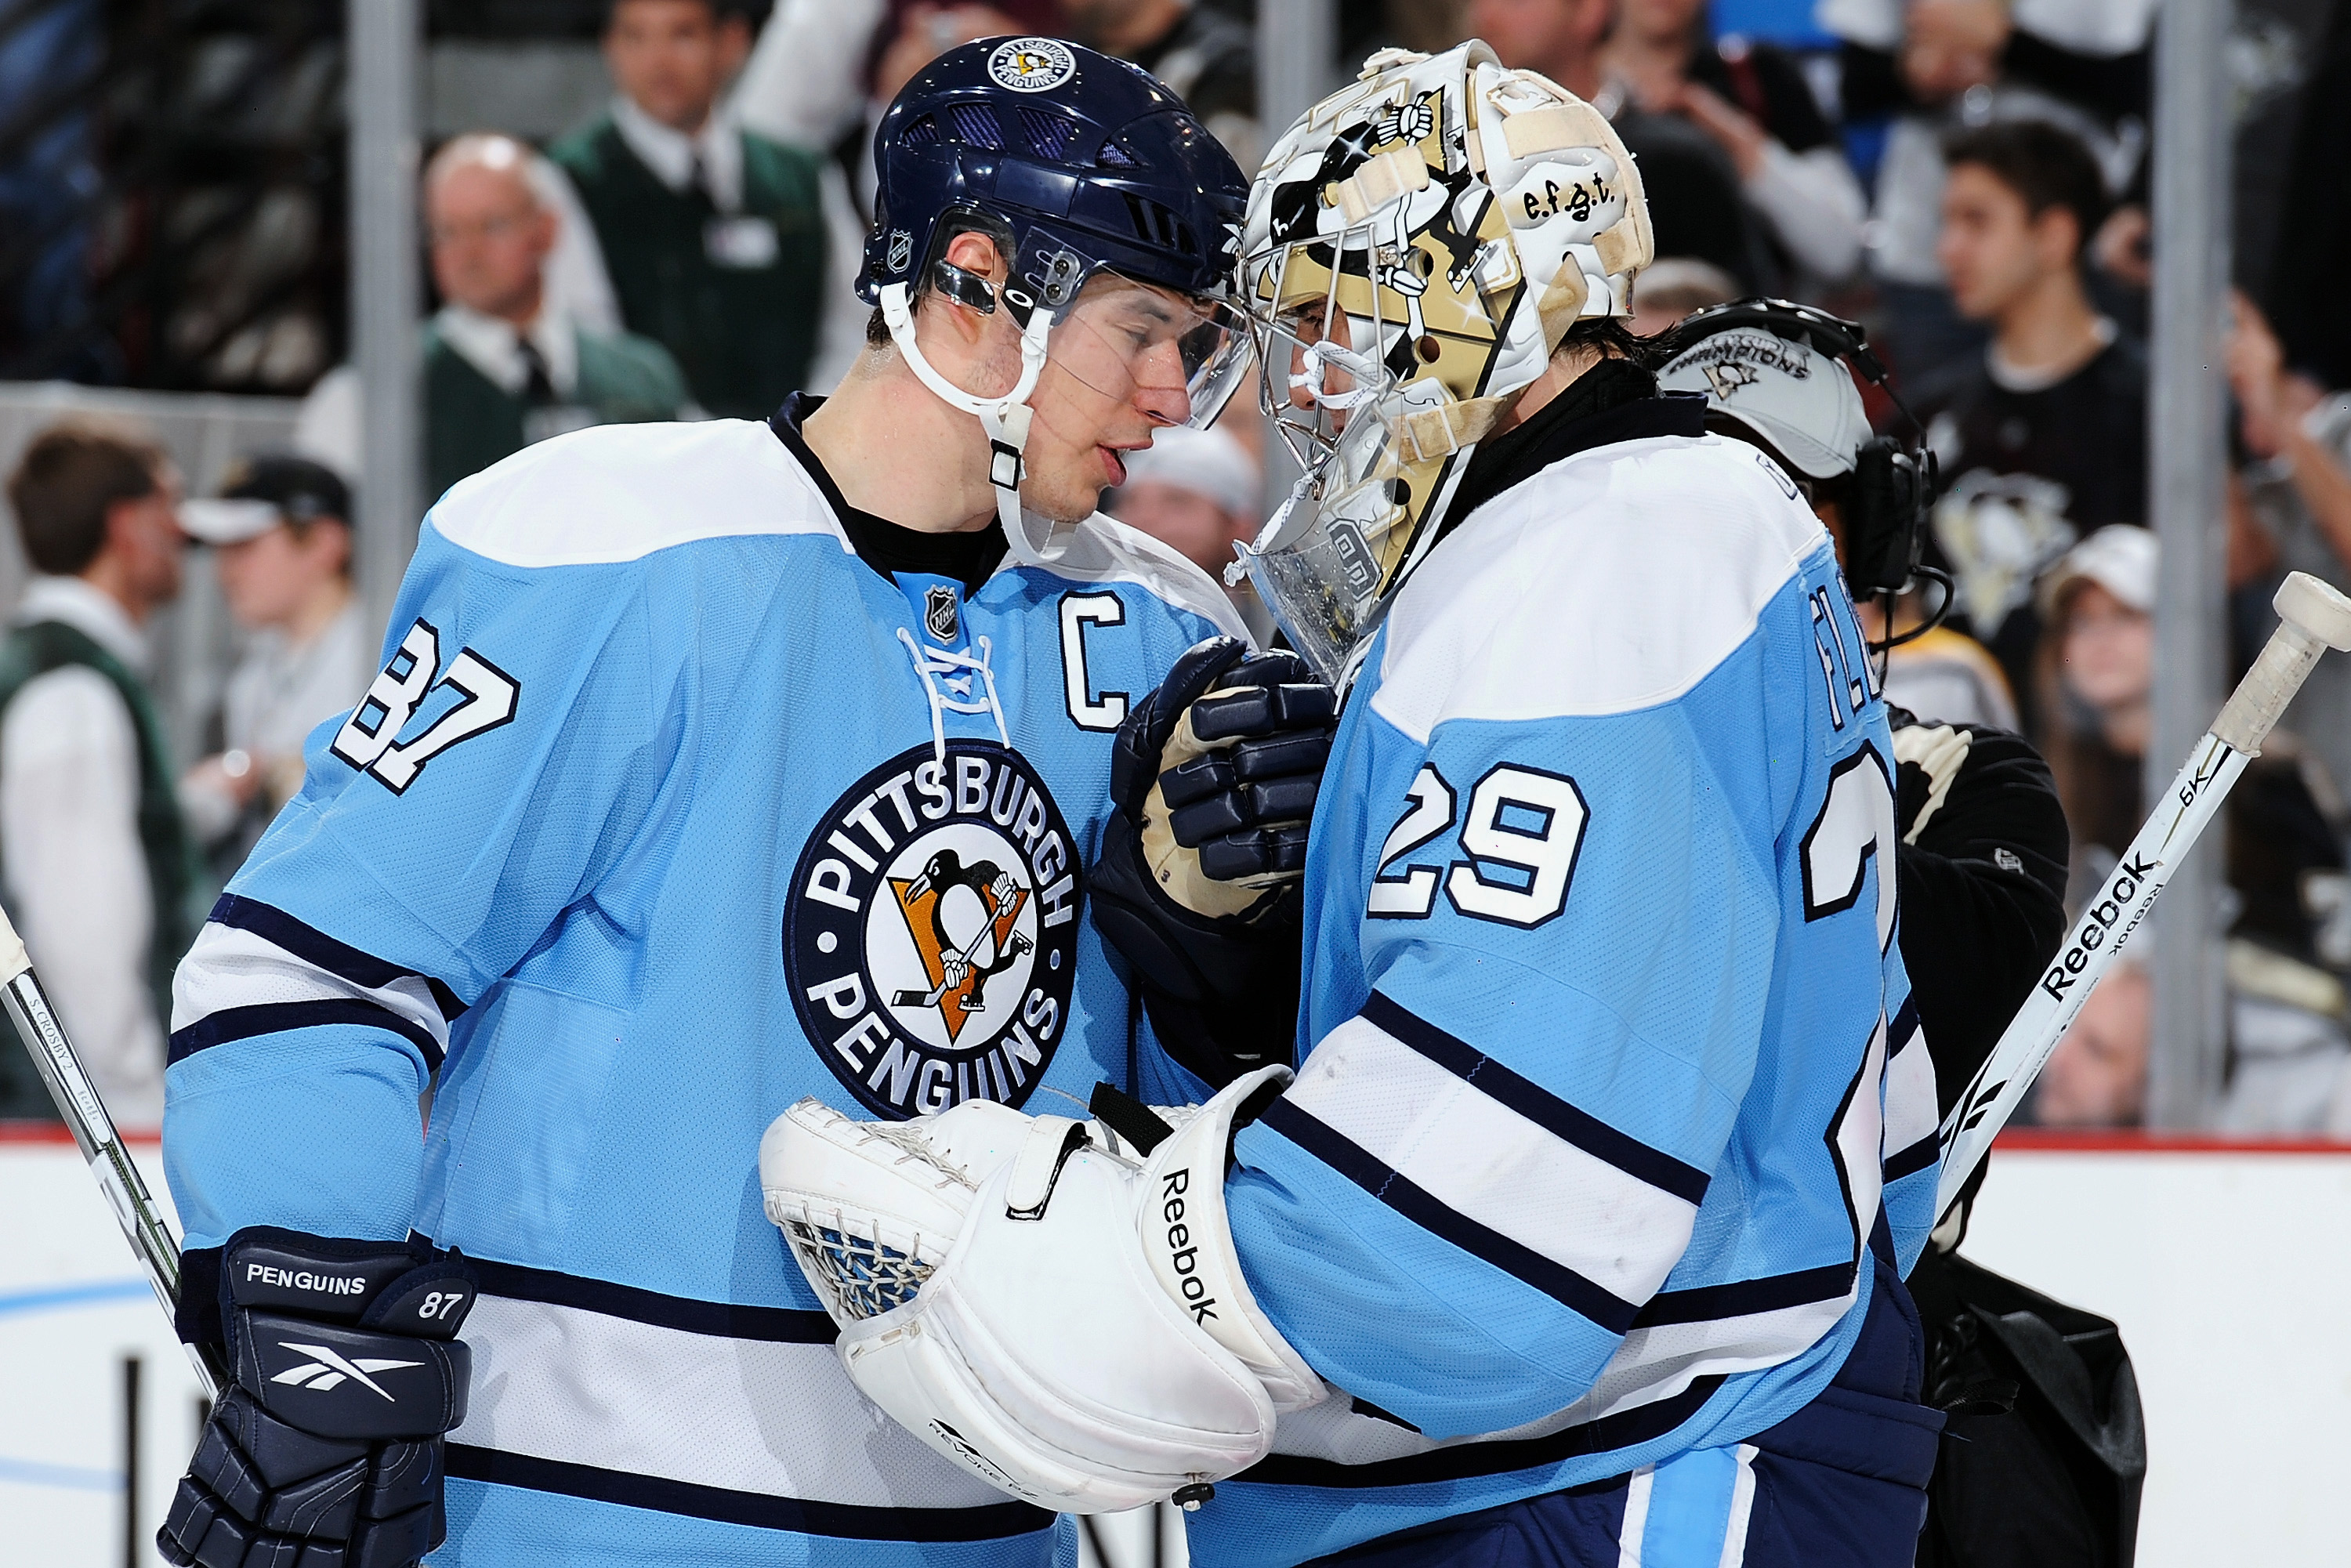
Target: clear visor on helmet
(1177, 358)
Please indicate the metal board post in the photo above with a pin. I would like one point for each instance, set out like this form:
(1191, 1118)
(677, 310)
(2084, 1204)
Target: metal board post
(2187, 458)
(1297, 45)
(382, 47)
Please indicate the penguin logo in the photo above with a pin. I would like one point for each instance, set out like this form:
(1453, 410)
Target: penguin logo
(930, 936)
(1031, 65)
(1728, 376)
(963, 920)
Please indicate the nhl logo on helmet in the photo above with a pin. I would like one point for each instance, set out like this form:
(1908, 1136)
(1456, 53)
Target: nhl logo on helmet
(1031, 65)
(931, 937)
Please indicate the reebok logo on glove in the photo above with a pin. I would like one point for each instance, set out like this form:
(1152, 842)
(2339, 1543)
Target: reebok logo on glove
(1183, 1257)
(329, 1370)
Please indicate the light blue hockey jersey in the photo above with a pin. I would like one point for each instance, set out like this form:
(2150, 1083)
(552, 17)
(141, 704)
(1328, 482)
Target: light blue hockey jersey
(1611, 1069)
(666, 811)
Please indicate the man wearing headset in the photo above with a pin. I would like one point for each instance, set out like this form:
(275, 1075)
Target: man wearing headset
(1982, 870)
(1983, 853)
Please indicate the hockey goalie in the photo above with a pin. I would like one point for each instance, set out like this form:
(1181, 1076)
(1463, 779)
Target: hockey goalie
(1577, 1234)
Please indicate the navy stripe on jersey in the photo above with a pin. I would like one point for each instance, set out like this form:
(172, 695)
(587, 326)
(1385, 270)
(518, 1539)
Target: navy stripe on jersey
(1462, 1461)
(1904, 1029)
(277, 1017)
(1351, 1160)
(804, 1515)
(313, 945)
(1536, 1103)
(725, 1320)
(1914, 1159)
(1743, 1298)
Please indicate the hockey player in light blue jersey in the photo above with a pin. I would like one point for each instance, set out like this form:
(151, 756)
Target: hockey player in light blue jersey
(711, 766)
(1578, 1236)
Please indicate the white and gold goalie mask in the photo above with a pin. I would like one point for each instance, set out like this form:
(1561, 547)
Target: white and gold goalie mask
(1416, 247)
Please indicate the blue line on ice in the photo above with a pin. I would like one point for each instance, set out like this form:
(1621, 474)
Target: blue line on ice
(76, 1478)
(54, 1296)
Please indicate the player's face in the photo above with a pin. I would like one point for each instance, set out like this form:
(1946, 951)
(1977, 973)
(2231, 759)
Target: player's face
(673, 58)
(1118, 369)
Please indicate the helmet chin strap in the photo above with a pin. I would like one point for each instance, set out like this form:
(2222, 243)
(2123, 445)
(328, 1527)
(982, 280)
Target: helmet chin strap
(1005, 419)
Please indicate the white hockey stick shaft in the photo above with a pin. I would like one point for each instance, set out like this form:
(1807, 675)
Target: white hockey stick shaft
(78, 1101)
(2313, 617)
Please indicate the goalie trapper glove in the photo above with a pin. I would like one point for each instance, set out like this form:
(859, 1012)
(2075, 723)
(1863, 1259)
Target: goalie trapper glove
(327, 1451)
(1042, 1302)
(1213, 782)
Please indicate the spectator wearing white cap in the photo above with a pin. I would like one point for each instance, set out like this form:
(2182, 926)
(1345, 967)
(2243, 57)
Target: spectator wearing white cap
(1982, 859)
(2099, 600)
(1198, 492)
(2291, 1063)
(281, 540)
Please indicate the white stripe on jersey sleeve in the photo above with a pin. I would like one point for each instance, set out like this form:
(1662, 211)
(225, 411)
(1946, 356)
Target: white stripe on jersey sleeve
(1658, 1362)
(1519, 614)
(1652, 1365)
(1485, 1160)
(229, 967)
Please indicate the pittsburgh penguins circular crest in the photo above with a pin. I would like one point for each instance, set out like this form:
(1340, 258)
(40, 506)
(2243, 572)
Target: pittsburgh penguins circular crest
(930, 938)
(1031, 65)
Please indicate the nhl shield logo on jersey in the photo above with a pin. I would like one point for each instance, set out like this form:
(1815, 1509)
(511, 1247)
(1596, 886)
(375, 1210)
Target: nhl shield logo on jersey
(940, 611)
(931, 937)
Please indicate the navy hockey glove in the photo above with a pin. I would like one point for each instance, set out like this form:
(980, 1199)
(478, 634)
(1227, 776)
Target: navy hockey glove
(1212, 780)
(327, 1451)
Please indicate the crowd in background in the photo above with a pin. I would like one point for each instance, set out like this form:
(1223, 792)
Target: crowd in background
(1969, 177)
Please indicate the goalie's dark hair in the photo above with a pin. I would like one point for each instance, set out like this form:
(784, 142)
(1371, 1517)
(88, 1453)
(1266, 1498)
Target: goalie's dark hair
(1615, 339)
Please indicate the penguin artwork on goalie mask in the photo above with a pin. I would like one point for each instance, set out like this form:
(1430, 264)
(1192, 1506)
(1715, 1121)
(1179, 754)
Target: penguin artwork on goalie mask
(1414, 253)
(931, 933)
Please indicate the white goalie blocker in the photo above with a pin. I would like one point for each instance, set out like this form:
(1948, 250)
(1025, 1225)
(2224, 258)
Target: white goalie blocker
(1043, 1304)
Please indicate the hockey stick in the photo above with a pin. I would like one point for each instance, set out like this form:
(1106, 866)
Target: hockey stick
(2312, 617)
(78, 1101)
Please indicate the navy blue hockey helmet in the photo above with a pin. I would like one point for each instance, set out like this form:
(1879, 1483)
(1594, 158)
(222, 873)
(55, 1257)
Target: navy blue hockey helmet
(1089, 161)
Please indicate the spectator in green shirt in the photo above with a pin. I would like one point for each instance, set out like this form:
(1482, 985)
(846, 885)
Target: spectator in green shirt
(500, 371)
(713, 236)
